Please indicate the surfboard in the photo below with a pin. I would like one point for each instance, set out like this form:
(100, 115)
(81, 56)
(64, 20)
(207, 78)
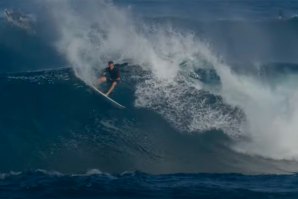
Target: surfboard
(110, 100)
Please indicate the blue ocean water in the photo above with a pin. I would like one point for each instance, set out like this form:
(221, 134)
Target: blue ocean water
(210, 91)
(41, 184)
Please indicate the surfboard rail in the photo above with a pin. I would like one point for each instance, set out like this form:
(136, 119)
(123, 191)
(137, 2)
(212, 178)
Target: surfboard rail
(113, 102)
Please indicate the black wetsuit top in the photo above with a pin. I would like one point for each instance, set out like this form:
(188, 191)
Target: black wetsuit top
(114, 74)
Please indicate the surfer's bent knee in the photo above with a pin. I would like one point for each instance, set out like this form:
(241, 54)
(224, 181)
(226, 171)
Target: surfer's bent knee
(102, 79)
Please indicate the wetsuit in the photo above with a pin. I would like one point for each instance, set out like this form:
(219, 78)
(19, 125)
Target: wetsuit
(112, 75)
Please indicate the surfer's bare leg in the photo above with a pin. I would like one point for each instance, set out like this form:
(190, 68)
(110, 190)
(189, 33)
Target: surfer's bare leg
(114, 84)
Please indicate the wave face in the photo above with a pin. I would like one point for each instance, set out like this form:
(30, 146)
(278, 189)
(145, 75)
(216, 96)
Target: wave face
(52, 120)
(198, 100)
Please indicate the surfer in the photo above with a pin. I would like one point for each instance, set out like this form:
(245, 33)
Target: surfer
(111, 75)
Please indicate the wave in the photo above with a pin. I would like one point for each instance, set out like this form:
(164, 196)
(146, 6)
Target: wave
(169, 54)
(52, 120)
(186, 103)
(61, 120)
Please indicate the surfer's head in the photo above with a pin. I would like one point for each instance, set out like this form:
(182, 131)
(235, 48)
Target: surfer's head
(111, 64)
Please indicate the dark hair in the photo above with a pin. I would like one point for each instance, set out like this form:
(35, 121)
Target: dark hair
(110, 62)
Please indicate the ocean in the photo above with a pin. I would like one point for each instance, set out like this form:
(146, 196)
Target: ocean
(210, 89)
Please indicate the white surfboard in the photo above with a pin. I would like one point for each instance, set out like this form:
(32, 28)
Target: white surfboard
(113, 102)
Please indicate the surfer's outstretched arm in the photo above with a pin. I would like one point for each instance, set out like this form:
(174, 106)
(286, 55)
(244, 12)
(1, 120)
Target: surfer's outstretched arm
(114, 84)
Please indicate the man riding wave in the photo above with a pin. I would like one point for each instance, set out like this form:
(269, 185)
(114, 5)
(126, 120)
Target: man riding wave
(111, 74)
